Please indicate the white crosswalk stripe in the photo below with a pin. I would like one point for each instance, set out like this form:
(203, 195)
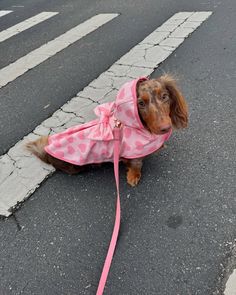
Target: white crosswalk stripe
(26, 24)
(39, 55)
(4, 12)
(27, 172)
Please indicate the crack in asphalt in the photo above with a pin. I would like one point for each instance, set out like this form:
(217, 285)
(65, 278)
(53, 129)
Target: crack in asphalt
(19, 227)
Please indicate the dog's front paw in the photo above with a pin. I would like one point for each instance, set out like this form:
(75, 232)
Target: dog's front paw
(133, 177)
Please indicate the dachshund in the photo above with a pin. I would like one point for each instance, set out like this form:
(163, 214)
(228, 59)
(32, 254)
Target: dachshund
(161, 107)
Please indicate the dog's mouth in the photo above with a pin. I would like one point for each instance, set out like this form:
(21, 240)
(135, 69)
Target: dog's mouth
(161, 130)
(156, 129)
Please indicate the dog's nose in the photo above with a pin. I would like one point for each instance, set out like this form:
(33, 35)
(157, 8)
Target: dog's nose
(165, 129)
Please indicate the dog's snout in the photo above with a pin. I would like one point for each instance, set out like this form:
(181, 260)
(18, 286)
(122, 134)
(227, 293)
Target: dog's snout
(165, 128)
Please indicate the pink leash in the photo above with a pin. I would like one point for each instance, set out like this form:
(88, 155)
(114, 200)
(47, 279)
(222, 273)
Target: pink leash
(115, 233)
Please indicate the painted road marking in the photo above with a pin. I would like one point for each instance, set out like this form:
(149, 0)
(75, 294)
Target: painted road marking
(39, 55)
(230, 287)
(26, 24)
(26, 172)
(4, 12)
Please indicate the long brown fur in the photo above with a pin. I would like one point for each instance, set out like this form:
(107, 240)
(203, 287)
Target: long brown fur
(179, 108)
(161, 107)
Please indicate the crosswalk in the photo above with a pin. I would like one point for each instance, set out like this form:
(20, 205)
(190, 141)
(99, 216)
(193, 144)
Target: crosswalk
(25, 171)
(26, 24)
(39, 55)
(4, 12)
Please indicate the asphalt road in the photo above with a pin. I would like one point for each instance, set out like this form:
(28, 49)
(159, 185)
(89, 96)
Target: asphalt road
(179, 225)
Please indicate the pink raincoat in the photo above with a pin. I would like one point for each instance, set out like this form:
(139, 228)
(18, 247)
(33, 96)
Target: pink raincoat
(93, 142)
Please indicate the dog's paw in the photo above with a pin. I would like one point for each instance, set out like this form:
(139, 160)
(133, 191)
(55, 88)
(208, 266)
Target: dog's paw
(133, 178)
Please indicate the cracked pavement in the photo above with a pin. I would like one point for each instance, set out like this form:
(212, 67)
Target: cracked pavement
(26, 172)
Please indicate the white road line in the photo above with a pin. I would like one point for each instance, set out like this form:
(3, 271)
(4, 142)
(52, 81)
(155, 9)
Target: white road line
(230, 287)
(26, 24)
(26, 172)
(39, 55)
(4, 12)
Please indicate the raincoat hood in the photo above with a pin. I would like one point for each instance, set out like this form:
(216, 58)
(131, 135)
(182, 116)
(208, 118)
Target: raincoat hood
(127, 106)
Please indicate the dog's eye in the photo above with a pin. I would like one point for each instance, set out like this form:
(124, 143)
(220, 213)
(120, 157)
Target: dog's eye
(141, 103)
(165, 97)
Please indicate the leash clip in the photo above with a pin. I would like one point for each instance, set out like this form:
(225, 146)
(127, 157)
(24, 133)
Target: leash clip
(117, 123)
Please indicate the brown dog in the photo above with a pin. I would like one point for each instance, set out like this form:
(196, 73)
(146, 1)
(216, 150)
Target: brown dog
(161, 107)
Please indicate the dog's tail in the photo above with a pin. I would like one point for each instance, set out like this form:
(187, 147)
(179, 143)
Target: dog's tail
(37, 148)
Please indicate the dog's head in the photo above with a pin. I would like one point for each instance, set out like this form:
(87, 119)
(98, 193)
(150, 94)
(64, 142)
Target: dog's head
(161, 105)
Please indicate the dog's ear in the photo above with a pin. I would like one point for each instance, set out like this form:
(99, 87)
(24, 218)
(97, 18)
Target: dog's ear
(178, 107)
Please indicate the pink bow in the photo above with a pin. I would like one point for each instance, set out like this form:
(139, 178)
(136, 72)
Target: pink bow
(102, 130)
